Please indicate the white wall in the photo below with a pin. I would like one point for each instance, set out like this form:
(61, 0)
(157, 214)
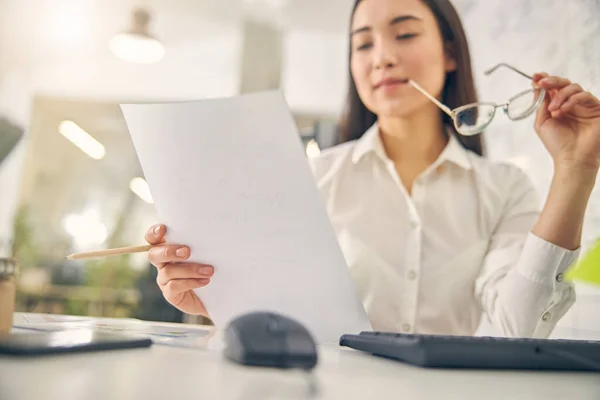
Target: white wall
(558, 37)
(315, 71)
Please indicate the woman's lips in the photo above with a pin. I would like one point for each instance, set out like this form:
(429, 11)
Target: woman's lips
(391, 83)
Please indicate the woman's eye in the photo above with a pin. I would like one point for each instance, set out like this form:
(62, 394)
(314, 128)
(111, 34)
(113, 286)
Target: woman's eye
(406, 36)
(364, 46)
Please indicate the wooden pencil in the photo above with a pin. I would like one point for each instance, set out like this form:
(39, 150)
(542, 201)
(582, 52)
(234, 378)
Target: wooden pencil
(110, 252)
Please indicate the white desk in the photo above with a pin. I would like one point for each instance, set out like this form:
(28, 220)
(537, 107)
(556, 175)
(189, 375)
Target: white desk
(165, 372)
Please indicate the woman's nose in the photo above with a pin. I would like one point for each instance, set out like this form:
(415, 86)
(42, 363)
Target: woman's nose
(384, 57)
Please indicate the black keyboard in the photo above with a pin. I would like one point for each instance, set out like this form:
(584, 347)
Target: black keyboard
(477, 352)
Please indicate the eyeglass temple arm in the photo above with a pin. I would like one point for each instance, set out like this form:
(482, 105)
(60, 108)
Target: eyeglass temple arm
(433, 99)
(495, 67)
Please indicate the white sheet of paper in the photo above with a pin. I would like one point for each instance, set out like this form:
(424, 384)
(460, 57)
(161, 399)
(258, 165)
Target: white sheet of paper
(229, 177)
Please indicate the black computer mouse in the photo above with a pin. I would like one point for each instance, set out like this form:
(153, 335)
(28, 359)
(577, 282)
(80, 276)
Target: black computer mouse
(268, 339)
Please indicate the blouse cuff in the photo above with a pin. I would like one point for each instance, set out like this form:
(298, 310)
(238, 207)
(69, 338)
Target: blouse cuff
(544, 262)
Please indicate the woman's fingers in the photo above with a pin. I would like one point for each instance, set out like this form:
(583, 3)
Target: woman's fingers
(537, 77)
(553, 82)
(177, 279)
(572, 101)
(177, 287)
(166, 253)
(542, 113)
(563, 95)
(163, 253)
(174, 271)
(156, 234)
(590, 105)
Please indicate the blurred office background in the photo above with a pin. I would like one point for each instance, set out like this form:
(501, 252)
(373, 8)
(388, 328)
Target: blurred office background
(65, 67)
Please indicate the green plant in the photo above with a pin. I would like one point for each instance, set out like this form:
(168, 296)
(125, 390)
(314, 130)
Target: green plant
(24, 248)
(113, 272)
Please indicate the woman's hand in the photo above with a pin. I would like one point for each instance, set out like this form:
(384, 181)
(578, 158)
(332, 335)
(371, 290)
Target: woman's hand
(568, 123)
(176, 278)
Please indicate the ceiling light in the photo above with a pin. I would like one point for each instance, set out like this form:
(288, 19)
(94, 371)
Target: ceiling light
(82, 139)
(140, 187)
(137, 45)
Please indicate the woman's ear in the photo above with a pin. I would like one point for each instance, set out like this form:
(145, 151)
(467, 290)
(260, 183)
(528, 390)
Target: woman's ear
(449, 57)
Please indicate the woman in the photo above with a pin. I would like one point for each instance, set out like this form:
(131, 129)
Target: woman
(435, 235)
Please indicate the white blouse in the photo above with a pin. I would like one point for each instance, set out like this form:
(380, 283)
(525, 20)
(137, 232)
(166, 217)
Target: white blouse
(455, 253)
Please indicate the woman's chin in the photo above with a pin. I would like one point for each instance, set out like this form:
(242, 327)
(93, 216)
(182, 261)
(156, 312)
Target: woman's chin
(395, 109)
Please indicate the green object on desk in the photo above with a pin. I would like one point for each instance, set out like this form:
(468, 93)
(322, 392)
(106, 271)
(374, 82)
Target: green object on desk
(587, 269)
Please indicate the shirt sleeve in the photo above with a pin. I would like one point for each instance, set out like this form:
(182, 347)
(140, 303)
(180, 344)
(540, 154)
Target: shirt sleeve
(521, 287)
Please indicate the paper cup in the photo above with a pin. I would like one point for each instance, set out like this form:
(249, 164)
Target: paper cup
(8, 291)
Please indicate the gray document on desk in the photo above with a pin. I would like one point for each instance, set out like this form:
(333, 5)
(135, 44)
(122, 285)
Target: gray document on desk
(230, 178)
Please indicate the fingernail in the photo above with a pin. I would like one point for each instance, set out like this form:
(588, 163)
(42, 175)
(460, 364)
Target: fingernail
(205, 270)
(156, 229)
(181, 252)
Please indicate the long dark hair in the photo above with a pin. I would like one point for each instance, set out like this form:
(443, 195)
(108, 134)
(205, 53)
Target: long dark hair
(459, 88)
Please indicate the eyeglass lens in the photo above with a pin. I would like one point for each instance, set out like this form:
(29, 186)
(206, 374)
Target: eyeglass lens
(523, 104)
(472, 120)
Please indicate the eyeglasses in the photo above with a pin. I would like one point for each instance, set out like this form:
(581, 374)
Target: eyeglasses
(472, 119)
